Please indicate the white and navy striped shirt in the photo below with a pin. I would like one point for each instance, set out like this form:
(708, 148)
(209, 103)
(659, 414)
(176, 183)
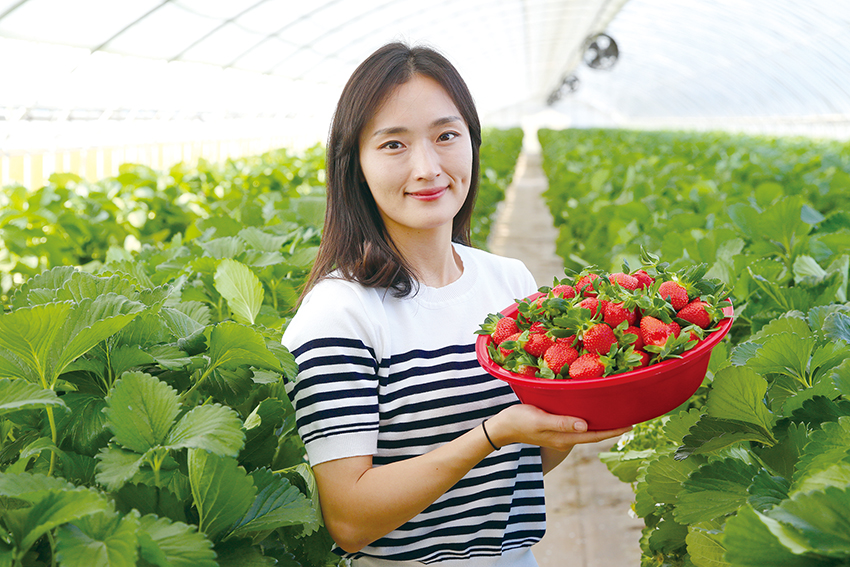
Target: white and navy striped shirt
(396, 378)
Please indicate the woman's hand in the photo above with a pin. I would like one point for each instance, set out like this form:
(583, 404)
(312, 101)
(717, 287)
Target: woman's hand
(523, 423)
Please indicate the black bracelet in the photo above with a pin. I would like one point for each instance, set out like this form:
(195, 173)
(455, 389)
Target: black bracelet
(487, 436)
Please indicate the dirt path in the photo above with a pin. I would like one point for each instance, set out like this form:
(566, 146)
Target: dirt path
(587, 507)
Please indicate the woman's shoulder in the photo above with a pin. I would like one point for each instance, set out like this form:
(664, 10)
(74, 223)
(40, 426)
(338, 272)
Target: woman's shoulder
(499, 267)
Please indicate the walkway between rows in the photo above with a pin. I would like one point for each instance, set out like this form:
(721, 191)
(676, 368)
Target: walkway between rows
(587, 507)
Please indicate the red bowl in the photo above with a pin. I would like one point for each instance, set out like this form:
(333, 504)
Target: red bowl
(615, 401)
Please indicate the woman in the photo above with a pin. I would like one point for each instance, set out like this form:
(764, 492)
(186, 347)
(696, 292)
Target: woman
(419, 455)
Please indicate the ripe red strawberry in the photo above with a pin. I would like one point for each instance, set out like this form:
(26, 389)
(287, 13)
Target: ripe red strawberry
(505, 327)
(526, 370)
(644, 358)
(638, 344)
(505, 351)
(695, 312)
(616, 313)
(587, 366)
(599, 338)
(559, 355)
(626, 281)
(675, 328)
(675, 293)
(644, 279)
(585, 287)
(538, 343)
(572, 340)
(653, 331)
(590, 303)
(565, 291)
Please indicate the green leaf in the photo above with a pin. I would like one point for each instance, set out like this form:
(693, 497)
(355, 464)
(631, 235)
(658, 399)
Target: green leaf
(31, 487)
(841, 378)
(277, 504)
(169, 356)
(141, 410)
(98, 540)
(625, 465)
(737, 394)
(261, 439)
(174, 544)
(214, 428)
(125, 357)
(232, 344)
(705, 549)
(714, 490)
(755, 540)
(221, 490)
(242, 289)
(821, 517)
(767, 491)
(57, 508)
(785, 353)
(82, 429)
(30, 333)
(665, 475)
(17, 395)
(826, 446)
(115, 466)
(180, 324)
(837, 327)
(261, 240)
(711, 434)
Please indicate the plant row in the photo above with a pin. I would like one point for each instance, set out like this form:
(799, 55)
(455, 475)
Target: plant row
(754, 470)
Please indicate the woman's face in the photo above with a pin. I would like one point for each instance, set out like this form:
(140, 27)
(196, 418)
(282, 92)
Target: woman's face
(416, 156)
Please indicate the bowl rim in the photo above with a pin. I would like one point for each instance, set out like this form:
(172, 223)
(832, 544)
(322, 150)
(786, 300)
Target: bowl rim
(703, 348)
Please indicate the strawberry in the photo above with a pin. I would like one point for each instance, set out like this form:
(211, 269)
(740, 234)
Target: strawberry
(586, 366)
(564, 290)
(584, 285)
(653, 331)
(526, 370)
(538, 343)
(638, 344)
(590, 303)
(625, 281)
(505, 327)
(616, 313)
(675, 293)
(695, 312)
(644, 358)
(675, 329)
(559, 355)
(505, 352)
(599, 338)
(644, 279)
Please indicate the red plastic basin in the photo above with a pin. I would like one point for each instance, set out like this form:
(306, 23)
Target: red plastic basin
(614, 401)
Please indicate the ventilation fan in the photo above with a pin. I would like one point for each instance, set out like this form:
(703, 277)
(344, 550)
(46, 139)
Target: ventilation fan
(601, 52)
(568, 85)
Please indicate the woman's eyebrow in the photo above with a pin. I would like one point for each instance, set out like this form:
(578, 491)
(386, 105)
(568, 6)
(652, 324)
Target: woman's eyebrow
(402, 129)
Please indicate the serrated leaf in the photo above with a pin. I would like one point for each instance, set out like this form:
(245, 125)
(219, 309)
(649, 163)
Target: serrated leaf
(826, 446)
(665, 475)
(821, 517)
(737, 394)
(261, 240)
(242, 289)
(836, 327)
(714, 490)
(786, 353)
(224, 247)
(705, 549)
(18, 394)
(711, 434)
(30, 333)
(221, 490)
(261, 440)
(116, 466)
(841, 378)
(169, 356)
(57, 508)
(179, 323)
(767, 491)
(82, 429)
(125, 357)
(87, 286)
(52, 279)
(755, 540)
(783, 456)
(625, 464)
(835, 474)
(232, 344)
(277, 504)
(214, 428)
(174, 544)
(98, 540)
(31, 487)
(141, 410)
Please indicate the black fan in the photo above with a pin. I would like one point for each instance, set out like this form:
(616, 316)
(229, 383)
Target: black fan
(568, 85)
(601, 52)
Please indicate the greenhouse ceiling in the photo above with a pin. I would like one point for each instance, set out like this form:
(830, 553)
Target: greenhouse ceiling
(769, 65)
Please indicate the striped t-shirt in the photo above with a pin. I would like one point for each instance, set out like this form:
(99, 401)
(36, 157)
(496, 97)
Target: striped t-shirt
(395, 378)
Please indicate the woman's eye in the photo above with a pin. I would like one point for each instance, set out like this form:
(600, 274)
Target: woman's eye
(446, 136)
(391, 145)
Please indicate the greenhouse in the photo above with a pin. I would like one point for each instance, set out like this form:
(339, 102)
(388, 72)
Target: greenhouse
(271, 295)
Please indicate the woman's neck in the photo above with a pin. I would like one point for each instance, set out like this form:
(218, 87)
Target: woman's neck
(431, 257)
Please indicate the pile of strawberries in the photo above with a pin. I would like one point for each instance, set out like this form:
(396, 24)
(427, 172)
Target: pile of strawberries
(596, 324)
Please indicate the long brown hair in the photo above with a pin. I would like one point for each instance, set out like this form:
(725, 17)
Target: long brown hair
(354, 239)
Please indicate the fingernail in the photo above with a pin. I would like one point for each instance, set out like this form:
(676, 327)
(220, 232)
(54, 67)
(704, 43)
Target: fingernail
(580, 426)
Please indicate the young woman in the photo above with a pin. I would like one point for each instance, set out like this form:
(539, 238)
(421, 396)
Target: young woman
(420, 456)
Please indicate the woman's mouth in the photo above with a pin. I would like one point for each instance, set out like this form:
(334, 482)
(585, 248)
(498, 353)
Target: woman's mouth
(429, 194)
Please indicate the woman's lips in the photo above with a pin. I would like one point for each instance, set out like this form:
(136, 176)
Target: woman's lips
(429, 194)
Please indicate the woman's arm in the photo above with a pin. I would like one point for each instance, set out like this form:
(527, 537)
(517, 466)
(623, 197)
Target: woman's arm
(361, 504)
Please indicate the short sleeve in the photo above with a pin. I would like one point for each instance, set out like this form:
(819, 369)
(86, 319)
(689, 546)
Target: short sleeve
(335, 342)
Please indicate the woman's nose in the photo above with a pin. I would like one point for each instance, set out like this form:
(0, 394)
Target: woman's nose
(426, 162)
